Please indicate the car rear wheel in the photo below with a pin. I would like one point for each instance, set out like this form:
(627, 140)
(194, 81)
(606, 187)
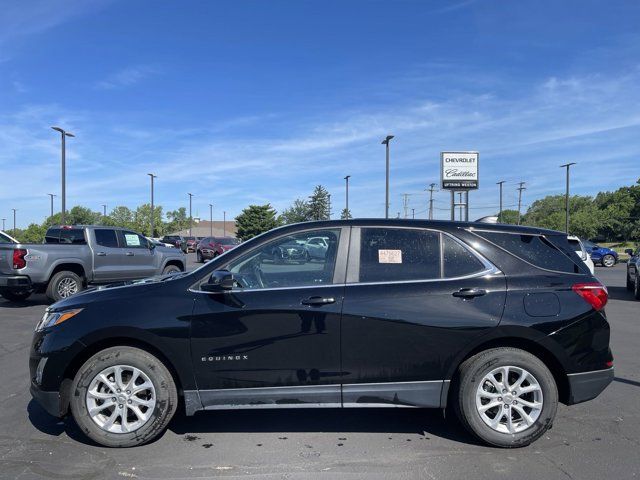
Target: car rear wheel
(171, 269)
(123, 397)
(63, 285)
(14, 296)
(506, 397)
(608, 260)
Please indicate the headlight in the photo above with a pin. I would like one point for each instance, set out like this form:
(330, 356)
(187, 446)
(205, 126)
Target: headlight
(49, 319)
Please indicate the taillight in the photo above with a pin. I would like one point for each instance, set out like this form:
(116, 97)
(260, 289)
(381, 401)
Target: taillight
(18, 258)
(594, 293)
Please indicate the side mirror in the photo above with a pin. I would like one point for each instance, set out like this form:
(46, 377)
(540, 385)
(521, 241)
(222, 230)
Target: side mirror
(629, 252)
(151, 245)
(219, 281)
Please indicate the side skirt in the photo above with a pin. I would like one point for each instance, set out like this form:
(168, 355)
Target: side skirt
(424, 394)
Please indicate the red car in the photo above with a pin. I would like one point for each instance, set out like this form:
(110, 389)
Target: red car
(211, 247)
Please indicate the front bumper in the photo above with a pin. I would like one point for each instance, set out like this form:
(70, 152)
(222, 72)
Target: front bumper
(588, 385)
(50, 401)
(16, 282)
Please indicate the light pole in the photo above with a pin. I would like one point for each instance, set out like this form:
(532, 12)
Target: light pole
(211, 219)
(500, 214)
(431, 190)
(385, 142)
(413, 213)
(14, 221)
(104, 209)
(346, 179)
(224, 223)
(190, 217)
(152, 176)
(520, 188)
(566, 196)
(51, 195)
(64, 134)
(3, 220)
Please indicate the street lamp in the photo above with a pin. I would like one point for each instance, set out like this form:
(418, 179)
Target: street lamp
(500, 214)
(104, 209)
(51, 195)
(224, 223)
(566, 196)
(14, 221)
(64, 134)
(386, 203)
(152, 176)
(190, 217)
(211, 219)
(346, 179)
(3, 220)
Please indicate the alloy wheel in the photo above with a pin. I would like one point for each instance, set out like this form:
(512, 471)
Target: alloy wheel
(121, 399)
(608, 261)
(509, 399)
(67, 287)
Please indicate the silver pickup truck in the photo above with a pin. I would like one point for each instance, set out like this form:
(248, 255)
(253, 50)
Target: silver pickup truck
(72, 257)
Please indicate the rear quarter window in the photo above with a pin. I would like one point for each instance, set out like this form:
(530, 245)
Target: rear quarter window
(534, 249)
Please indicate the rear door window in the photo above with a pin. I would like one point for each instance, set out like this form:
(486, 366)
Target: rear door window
(458, 260)
(106, 238)
(534, 249)
(388, 254)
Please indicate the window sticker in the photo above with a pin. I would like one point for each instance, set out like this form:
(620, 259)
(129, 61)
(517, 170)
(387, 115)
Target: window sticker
(389, 256)
(132, 240)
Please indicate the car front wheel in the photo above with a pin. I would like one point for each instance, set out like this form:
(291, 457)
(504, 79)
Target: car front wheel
(506, 397)
(123, 397)
(608, 261)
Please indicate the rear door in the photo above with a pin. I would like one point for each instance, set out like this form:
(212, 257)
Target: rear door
(141, 260)
(414, 298)
(109, 260)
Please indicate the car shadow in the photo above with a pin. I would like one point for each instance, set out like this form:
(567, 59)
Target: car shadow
(425, 422)
(4, 303)
(620, 293)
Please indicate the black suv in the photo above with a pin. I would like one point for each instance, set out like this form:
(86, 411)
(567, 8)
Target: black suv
(497, 322)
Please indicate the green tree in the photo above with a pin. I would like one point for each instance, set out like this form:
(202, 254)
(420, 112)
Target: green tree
(254, 220)
(142, 219)
(346, 214)
(178, 220)
(120, 216)
(319, 204)
(76, 216)
(296, 213)
(34, 233)
(508, 216)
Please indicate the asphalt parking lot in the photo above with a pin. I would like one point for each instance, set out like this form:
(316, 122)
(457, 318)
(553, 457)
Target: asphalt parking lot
(595, 440)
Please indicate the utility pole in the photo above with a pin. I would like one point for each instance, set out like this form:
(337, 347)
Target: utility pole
(152, 176)
(500, 213)
(329, 206)
(566, 196)
(405, 204)
(64, 134)
(413, 213)
(520, 188)
(211, 219)
(386, 203)
(14, 221)
(104, 209)
(190, 217)
(224, 223)
(51, 195)
(3, 220)
(431, 190)
(346, 203)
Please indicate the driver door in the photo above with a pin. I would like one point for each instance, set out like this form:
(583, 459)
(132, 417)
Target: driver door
(274, 339)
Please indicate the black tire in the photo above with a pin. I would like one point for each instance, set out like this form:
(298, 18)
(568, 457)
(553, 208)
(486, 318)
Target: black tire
(473, 371)
(636, 287)
(171, 269)
(166, 396)
(15, 296)
(53, 289)
(199, 258)
(610, 259)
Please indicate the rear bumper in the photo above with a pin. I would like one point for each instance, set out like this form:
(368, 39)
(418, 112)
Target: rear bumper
(588, 385)
(16, 282)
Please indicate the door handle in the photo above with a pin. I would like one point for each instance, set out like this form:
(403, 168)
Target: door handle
(316, 301)
(129, 254)
(469, 292)
(101, 254)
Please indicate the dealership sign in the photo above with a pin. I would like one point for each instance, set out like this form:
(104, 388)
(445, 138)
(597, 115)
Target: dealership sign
(459, 170)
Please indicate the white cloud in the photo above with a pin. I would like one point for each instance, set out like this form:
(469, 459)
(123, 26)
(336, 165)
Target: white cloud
(126, 77)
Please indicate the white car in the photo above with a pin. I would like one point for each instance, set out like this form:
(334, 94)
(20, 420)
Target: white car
(6, 238)
(581, 251)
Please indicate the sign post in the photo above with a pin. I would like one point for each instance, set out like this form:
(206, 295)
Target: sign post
(459, 173)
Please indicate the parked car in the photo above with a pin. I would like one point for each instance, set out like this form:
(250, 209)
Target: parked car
(498, 322)
(317, 247)
(581, 251)
(160, 243)
(633, 271)
(191, 243)
(288, 252)
(601, 255)
(6, 238)
(74, 257)
(176, 240)
(211, 247)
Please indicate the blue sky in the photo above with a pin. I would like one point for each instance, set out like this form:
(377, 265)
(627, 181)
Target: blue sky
(245, 102)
